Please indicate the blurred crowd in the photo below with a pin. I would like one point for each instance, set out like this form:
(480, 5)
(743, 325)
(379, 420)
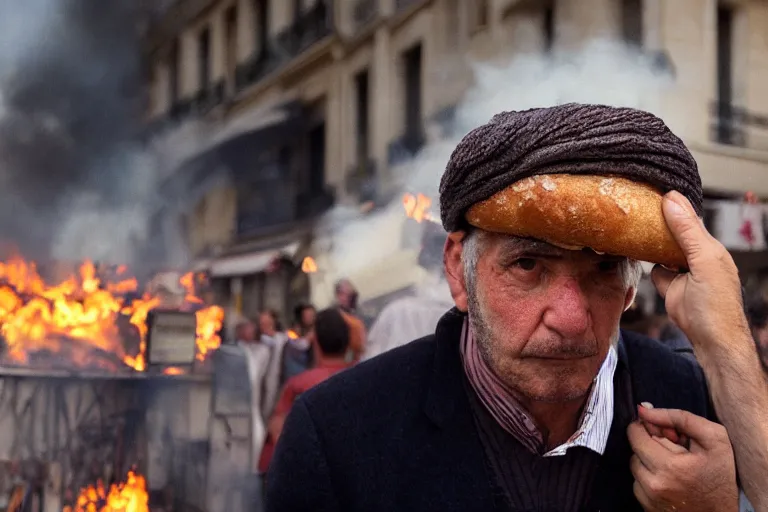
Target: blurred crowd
(660, 327)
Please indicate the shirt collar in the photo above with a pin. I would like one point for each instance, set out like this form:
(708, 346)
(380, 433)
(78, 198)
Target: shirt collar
(596, 420)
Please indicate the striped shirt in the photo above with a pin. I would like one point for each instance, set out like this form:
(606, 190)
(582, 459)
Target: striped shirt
(594, 425)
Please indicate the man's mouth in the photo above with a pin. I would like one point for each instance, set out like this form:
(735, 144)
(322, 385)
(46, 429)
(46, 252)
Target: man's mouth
(563, 357)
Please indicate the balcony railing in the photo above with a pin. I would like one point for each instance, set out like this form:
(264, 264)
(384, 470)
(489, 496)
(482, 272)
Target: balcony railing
(404, 4)
(362, 180)
(405, 148)
(309, 28)
(200, 104)
(736, 126)
(364, 12)
(276, 206)
(258, 66)
(207, 99)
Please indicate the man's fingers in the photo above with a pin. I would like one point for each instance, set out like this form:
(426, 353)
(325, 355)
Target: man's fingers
(674, 447)
(662, 279)
(657, 431)
(685, 226)
(642, 496)
(704, 432)
(650, 452)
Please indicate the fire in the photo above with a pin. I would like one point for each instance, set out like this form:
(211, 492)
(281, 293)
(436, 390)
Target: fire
(173, 370)
(417, 207)
(128, 496)
(85, 316)
(308, 265)
(292, 334)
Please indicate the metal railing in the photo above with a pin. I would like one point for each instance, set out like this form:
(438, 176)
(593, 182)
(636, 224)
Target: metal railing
(405, 4)
(309, 28)
(364, 12)
(736, 126)
(277, 205)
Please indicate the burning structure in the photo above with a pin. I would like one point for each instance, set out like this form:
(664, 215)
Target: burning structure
(100, 410)
(86, 321)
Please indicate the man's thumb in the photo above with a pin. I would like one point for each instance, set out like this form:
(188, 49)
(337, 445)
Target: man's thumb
(684, 225)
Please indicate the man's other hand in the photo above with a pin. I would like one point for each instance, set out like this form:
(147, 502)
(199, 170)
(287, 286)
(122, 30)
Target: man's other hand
(699, 478)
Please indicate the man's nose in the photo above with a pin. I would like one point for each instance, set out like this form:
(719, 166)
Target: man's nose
(568, 308)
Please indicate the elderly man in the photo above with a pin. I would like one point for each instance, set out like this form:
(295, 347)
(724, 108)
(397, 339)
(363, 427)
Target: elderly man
(527, 397)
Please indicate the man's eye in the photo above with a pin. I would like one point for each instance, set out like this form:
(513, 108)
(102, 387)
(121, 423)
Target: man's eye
(608, 266)
(527, 264)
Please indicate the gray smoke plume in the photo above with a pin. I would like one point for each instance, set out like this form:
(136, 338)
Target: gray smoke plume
(70, 107)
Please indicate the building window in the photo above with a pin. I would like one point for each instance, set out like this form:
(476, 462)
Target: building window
(632, 22)
(297, 8)
(478, 15)
(173, 73)
(548, 27)
(230, 21)
(453, 24)
(262, 24)
(725, 133)
(362, 114)
(204, 58)
(317, 158)
(412, 63)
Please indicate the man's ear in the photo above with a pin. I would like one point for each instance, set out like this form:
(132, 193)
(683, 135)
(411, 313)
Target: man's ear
(630, 297)
(454, 269)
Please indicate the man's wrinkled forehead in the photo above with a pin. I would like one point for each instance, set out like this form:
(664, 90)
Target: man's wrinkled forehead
(512, 245)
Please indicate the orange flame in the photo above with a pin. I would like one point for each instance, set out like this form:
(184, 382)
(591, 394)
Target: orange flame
(417, 207)
(173, 370)
(308, 266)
(292, 334)
(129, 496)
(82, 315)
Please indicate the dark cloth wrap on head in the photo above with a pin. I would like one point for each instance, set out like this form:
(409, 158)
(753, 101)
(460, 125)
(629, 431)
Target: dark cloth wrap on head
(566, 139)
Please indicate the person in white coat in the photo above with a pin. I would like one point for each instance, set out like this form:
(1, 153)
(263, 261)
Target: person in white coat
(414, 316)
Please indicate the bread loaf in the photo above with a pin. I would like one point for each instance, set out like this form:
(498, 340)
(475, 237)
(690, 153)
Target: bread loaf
(610, 215)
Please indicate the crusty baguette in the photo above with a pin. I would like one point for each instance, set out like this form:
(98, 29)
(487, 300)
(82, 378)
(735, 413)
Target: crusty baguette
(610, 215)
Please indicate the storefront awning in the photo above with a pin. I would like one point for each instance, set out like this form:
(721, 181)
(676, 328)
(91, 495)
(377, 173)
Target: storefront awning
(252, 262)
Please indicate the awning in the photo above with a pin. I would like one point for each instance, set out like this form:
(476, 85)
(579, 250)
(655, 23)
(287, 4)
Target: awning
(252, 262)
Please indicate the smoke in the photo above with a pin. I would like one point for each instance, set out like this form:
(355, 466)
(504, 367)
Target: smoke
(74, 181)
(601, 72)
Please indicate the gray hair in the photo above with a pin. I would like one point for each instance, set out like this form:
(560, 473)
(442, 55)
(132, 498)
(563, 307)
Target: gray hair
(475, 241)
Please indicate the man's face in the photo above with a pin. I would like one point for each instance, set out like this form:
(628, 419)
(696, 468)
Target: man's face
(544, 317)
(346, 295)
(308, 317)
(247, 332)
(266, 324)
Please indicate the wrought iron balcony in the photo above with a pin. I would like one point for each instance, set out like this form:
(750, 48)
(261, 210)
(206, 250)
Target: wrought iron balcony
(362, 180)
(730, 123)
(405, 147)
(206, 99)
(309, 28)
(404, 4)
(259, 65)
(277, 205)
(364, 12)
(263, 209)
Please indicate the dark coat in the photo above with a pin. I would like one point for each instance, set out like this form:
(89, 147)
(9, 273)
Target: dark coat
(397, 434)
